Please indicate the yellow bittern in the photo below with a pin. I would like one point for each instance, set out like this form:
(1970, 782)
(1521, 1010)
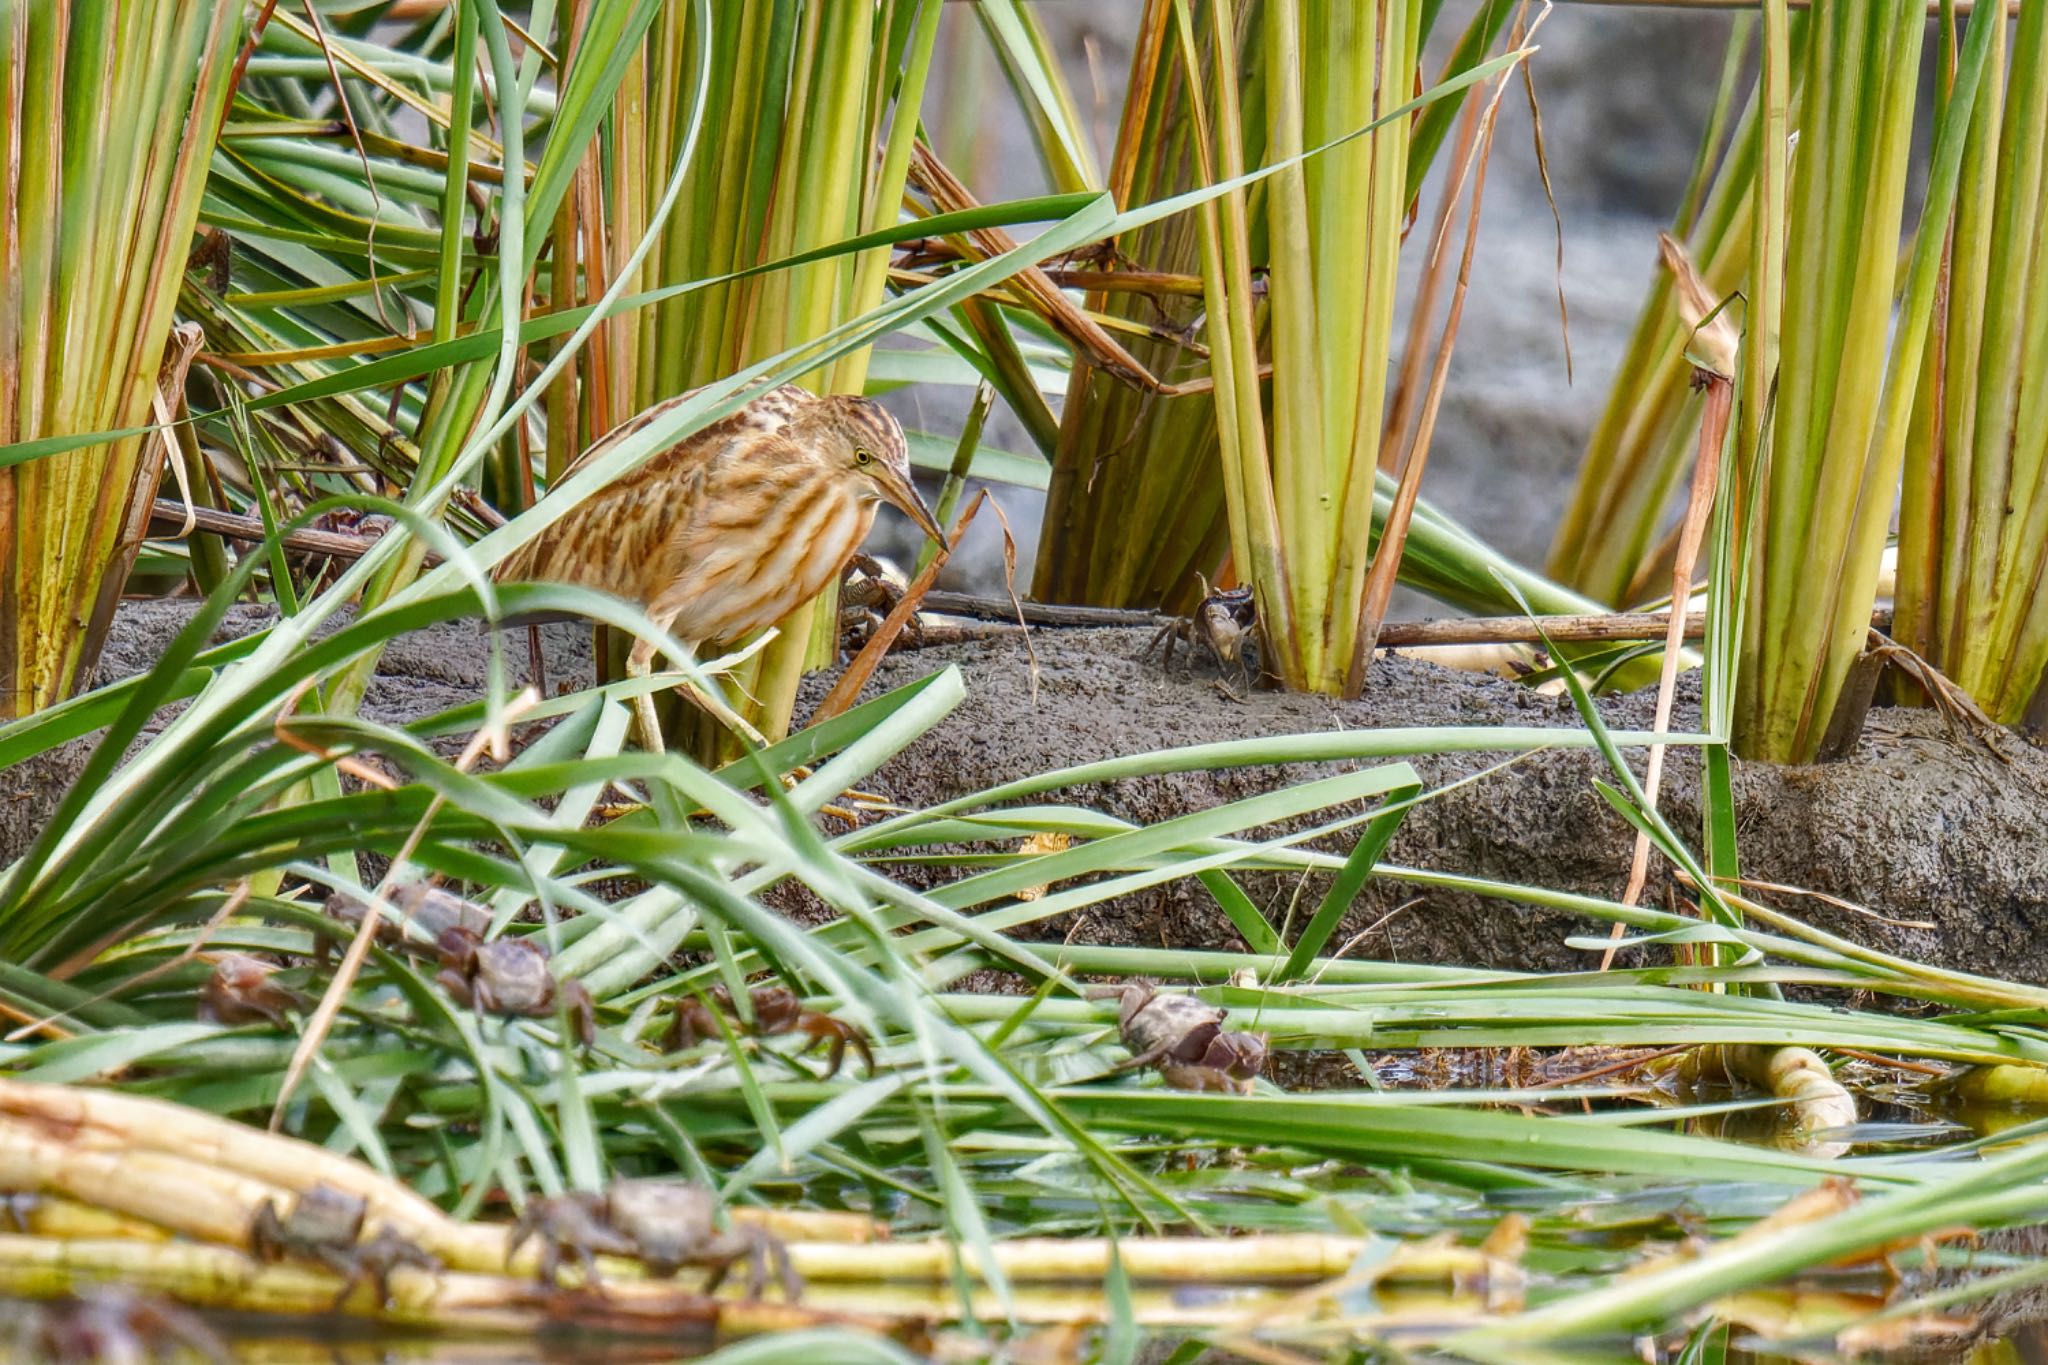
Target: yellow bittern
(731, 529)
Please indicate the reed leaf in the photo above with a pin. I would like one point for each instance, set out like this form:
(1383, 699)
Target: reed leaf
(1973, 522)
(1132, 513)
(110, 113)
(1609, 544)
(1845, 383)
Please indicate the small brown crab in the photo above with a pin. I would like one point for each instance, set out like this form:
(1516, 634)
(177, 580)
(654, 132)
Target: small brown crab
(869, 592)
(1226, 621)
(1184, 1037)
(242, 990)
(665, 1224)
(510, 976)
(776, 1011)
(326, 1225)
(323, 566)
(430, 909)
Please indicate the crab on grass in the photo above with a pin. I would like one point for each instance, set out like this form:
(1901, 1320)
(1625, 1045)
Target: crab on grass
(776, 1011)
(510, 976)
(1184, 1038)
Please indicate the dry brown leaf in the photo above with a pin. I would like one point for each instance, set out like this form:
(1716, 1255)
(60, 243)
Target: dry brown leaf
(1714, 340)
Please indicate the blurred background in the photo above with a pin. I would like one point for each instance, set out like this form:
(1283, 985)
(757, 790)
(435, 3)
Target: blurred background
(1624, 93)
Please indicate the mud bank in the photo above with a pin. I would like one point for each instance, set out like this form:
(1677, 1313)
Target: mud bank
(1917, 824)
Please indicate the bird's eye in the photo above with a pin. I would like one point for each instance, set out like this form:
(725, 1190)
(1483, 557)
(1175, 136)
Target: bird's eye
(861, 455)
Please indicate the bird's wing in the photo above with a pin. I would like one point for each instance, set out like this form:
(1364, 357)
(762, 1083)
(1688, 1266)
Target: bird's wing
(613, 538)
(772, 411)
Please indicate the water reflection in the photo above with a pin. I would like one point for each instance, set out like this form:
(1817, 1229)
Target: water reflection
(291, 1342)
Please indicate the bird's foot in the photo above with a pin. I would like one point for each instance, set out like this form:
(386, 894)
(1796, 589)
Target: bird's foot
(648, 724)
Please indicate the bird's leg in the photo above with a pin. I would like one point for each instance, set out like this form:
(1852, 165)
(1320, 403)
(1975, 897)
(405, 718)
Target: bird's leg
(725, 715)
(638, 665)
(536, 662)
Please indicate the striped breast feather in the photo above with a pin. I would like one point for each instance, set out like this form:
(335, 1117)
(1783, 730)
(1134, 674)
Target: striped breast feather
(725, 581)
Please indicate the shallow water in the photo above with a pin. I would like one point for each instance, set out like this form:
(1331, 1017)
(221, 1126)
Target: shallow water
(1574, 1237)
(304, 1346)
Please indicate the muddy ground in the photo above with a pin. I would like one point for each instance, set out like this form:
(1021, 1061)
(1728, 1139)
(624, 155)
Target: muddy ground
(1917, 824)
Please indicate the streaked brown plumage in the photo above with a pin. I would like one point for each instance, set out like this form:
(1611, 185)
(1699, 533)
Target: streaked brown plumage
(731, 529)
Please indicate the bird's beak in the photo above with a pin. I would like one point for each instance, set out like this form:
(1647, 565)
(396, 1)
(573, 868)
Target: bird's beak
(899, 492)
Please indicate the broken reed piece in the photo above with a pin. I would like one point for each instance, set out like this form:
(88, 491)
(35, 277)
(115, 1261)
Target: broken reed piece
(203, 1176)
(144, 1167)
(166, 513)
(501, 1305)
(1592, 628)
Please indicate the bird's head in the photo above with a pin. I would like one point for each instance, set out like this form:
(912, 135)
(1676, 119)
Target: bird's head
(861, 438)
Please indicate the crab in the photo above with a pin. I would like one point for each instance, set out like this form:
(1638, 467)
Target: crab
(869, 593)
(429, 908)
(241, 991)
(325, 566)
(664, 1224)
(776, 1011)
(1226, 621)
(109, 1322)
(435, 911)
(326, 1225)
(509, 976)
(1184, 1038)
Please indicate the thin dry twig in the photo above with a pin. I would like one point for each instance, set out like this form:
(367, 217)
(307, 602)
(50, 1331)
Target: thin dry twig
(1564, 312)
(1714, 336)
(1010, 583)
(1775, 888)
(262, 21)
(1344, 949)
(237, 526)
(1895, 1063)
(1394, 439)
(1096, 345)
(1610, 1069)
(1386, 559)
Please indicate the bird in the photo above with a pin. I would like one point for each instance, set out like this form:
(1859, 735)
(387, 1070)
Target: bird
(730, 529)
